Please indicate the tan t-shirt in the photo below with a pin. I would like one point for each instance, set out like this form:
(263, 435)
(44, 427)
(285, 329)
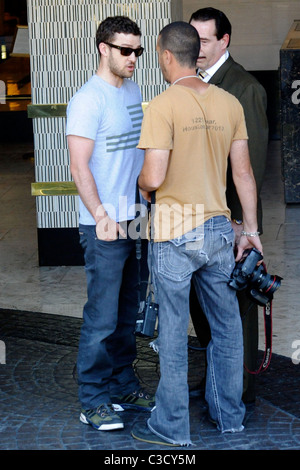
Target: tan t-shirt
(198, 129)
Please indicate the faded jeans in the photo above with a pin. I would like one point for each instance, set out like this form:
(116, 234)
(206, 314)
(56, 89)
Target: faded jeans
(211, 263)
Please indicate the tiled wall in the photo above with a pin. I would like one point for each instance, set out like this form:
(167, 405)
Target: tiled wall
(63, 56)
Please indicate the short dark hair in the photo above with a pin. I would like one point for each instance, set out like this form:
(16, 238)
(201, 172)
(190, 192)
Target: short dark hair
(115, 24)
(223, 25)
(182, 40)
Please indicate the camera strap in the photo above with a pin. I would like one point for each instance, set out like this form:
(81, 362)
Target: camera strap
(143, 291)
(268, 336)
(138, 244)
(268, 340)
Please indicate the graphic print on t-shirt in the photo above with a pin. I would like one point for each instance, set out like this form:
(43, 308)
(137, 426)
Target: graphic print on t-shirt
(130, 139)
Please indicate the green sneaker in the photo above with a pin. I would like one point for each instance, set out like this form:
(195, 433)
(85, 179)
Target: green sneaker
(138, 400)
(102, 418)
(141, 432)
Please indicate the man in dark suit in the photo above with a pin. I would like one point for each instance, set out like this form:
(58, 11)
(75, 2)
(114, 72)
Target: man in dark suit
(216, 66)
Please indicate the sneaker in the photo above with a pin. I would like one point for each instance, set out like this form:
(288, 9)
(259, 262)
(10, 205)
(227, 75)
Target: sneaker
(102, 418)
(141, 432)
(138, 400)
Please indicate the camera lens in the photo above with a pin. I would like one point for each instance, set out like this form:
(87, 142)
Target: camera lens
(264, 281)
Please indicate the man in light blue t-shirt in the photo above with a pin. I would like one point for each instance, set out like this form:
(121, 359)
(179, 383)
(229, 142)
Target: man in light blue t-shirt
(103, 128)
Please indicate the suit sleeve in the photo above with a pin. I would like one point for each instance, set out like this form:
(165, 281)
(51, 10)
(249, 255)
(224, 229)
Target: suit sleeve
(254, 103)
(257, 127)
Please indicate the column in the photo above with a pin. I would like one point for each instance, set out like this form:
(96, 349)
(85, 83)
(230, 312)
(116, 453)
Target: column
(290, 113)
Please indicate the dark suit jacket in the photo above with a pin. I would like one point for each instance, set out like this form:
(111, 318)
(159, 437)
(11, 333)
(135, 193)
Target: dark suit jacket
(233, 78)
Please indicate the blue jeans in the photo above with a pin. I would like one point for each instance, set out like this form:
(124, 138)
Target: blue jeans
(107, 345)
(211, 263)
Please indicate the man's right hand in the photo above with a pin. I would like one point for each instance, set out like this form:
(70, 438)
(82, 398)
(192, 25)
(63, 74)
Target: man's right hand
(108, 229)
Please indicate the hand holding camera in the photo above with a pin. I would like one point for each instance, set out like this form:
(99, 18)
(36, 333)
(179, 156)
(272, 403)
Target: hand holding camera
(250, 275)
(247, 241)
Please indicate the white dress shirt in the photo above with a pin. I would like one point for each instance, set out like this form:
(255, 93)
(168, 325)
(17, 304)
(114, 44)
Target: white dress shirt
(212, 70)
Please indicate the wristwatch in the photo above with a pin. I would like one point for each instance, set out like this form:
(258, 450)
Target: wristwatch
(237, 221)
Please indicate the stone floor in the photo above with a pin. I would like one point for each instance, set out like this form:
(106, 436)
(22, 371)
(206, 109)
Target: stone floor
(39, 407)
(40, 317)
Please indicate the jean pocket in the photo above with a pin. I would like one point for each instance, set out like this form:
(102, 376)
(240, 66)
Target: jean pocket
(87, 234)
(226, 255)
(83, 238)
(174, 262)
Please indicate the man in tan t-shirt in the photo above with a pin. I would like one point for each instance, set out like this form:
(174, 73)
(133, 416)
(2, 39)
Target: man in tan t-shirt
(188, 132)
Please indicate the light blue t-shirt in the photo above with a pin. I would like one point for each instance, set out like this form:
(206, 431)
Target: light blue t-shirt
(111, 117)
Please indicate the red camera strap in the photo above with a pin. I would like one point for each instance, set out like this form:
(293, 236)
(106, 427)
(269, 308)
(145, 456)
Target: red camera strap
(268, 340)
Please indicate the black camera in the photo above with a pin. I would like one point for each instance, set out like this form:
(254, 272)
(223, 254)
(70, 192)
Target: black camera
(246, 274)
(146, 318)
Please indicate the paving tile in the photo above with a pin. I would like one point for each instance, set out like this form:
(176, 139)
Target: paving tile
(39, 407)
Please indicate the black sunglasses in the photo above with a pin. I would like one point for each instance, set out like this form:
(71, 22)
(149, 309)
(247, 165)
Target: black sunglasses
(127, 51)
